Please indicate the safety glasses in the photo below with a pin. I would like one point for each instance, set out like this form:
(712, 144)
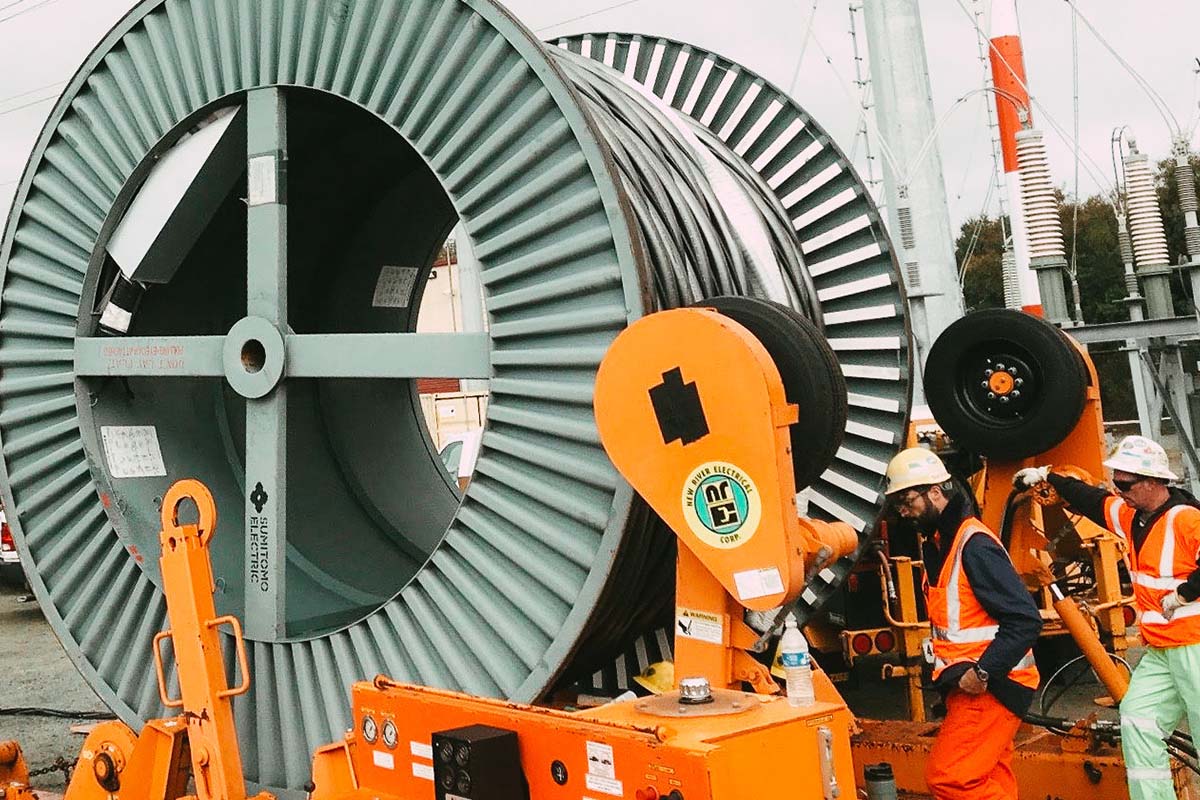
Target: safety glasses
(905, 500)
(1125, 486)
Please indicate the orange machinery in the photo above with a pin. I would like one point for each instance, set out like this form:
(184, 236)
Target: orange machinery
(692, 411)
(201, 742)
(1034, 518)
(715, 463)
(728, 493)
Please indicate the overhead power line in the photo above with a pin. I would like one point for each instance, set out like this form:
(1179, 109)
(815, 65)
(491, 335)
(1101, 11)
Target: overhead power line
(10, 5)
(18, 95)
(585, 16)
(1160, 105)
(1094, 170)
(808, 29)
(27, 105)
(27, 9)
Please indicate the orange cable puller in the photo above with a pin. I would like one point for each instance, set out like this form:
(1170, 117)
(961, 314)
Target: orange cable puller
(701, 431)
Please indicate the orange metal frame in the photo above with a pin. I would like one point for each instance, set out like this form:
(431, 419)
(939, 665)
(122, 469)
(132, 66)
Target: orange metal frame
(200, 743)
(761, 746)
(740, 397)
(757, 752)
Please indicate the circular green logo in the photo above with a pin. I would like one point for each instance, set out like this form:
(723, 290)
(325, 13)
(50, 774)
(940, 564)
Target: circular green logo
(721, 504)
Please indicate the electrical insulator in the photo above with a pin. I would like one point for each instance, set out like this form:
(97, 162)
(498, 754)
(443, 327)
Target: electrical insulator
(1042, 221)
(1131, 285)
(1185, 179)
(1012, 283)
(907, 236)
(1145, 218)
(1123, 241)
(1187, 188)
(908, 240)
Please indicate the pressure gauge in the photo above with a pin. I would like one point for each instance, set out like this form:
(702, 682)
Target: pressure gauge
(389, 734)
(370, 730)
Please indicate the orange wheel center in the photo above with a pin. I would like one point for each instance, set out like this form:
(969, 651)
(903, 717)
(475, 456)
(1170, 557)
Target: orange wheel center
(1000, 383)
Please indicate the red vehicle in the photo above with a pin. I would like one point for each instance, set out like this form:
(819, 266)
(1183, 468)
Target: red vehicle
(10, 562)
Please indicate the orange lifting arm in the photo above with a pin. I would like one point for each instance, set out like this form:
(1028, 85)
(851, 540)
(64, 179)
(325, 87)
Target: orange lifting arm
(116, 764)
(205, 698)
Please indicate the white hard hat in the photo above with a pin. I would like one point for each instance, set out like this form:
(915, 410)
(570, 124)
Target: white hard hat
(1141, 456)
(915, 466)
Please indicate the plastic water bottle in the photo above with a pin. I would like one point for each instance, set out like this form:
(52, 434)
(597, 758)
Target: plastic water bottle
(797, 665)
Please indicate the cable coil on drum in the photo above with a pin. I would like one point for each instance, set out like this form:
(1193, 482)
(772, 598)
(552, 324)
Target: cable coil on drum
(588, 203)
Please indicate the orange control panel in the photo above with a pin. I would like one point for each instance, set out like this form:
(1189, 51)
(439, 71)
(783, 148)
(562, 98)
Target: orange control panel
(644, 749)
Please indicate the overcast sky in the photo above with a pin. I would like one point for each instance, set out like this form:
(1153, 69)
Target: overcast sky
(42, 43)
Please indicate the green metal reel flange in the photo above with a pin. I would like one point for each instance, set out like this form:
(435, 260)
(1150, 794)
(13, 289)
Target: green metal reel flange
(395, 120)
(342, 543)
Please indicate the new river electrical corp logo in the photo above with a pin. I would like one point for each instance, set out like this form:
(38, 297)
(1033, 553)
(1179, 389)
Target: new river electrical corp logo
(721, 504)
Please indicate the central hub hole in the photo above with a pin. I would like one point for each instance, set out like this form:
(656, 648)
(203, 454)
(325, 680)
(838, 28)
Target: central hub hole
(254, 355)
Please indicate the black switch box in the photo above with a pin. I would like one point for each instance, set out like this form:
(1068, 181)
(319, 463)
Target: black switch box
(478, 762)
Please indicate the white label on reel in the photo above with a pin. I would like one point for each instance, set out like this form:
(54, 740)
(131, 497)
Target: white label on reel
(394, 287)
(132, 451)
(262, 183)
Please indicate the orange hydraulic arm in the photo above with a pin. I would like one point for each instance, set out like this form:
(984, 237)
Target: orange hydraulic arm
(114, 764)
(206, 701)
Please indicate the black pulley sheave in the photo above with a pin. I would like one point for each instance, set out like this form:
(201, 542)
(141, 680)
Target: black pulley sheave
(1004, 384)
(812, 378)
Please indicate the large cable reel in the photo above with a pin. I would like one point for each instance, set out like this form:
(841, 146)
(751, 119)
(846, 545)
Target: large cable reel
(396, 120)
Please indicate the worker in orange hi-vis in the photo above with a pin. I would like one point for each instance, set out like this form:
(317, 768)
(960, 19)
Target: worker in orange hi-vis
(983, 624)
(1160, 525)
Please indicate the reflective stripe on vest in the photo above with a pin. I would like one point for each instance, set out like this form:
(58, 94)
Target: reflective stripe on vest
(1025, 663)
(1113, 511)
(1151, 581)
(960, 627)
(1160, 567)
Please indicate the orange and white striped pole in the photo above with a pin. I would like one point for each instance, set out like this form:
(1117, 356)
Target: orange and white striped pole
(1012, 110)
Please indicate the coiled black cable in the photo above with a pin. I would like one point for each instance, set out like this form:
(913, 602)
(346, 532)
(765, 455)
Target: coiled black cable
(697, 238)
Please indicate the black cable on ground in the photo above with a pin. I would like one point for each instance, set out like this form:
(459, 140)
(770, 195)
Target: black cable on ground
(58, 713)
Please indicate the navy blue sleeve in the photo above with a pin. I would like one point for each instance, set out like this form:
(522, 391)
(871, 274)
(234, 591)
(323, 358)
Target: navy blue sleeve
(1002, 594)
(1080, 497)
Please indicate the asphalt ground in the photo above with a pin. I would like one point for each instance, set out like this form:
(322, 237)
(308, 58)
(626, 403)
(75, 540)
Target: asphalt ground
(35, 672)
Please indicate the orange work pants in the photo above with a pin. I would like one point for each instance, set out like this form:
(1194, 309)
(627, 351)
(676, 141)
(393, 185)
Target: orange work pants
(971, 758)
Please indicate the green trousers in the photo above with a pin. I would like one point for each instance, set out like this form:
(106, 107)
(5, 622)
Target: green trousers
(1165, 686)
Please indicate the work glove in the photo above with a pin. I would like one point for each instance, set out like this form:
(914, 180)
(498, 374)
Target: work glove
(1030, 476)
(1172, 603)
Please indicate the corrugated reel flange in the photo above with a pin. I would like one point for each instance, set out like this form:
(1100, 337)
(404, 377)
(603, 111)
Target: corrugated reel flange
(394, 119)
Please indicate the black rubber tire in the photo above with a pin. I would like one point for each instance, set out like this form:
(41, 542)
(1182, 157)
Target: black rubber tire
(812, 378)
(1054, 384)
